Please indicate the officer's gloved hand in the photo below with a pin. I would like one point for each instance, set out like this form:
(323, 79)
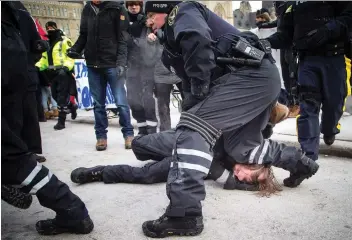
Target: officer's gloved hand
(199, 89)
(120, 70)
(41, 46)
(71, 53)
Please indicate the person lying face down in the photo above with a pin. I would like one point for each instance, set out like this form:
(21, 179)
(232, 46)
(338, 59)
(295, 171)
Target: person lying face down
(158, 147)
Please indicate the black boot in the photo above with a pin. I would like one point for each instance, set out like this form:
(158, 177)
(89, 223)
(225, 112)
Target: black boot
(167, 226)
(87, 175)
(73, 108)
(54, 227)
(329, 140)
(61, 121)
(16, 197)
(305, 168)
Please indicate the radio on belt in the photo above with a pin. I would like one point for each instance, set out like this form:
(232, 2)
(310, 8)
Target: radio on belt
(247, 49)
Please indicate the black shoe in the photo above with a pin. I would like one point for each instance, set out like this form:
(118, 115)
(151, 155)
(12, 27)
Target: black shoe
(305, 168)
(74, 111)
(233, 183)
(329, 140)
(39, 159)
(167, 226)
(52, 227)
(87, 175)
(15, 197)
(59, 126)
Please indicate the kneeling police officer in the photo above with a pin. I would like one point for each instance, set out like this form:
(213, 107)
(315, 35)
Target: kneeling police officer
(230, 85)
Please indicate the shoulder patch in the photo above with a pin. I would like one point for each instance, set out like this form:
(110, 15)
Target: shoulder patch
(172, 15)
(122, 17)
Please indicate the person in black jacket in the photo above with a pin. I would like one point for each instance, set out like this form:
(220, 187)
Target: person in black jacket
(103, 34)
(18, 166)
(35, 46)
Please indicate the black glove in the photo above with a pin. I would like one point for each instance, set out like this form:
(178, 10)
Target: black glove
(314, 39)
(41, 46)
(120, 71)
(71, 53)
(199, 89)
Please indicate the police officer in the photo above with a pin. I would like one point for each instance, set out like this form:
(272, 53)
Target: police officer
(58, 67)
(18, 166)
(317, 31)
(224, 97)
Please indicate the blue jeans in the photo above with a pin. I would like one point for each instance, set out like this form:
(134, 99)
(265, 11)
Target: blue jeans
(98, 79)
(46, 93)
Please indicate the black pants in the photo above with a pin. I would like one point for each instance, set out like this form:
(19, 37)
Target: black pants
(163, 94)
(140, 88)
(40, 108)
(19, 167)
(31, 129)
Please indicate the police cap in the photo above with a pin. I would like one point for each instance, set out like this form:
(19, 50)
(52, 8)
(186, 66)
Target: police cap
(160, 6)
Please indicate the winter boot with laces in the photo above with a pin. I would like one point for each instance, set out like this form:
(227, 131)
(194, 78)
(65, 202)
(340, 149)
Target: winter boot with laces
(70, 221)
(87, 175)
(169, 226)
(305, 168)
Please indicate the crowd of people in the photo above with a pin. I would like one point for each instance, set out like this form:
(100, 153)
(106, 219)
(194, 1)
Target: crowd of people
(231, 100)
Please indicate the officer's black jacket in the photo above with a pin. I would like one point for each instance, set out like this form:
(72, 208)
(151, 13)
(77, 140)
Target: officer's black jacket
(189, 42)
(103, 35)
(301, 18)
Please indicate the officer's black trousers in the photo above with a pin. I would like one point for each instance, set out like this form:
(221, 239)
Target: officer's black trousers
(31, 129)
(239, 105)
(286, 58)
(140, 88)
(60, 88)
(19, 167)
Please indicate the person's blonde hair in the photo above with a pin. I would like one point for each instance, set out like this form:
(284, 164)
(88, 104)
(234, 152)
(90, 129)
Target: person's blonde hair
(267, 186)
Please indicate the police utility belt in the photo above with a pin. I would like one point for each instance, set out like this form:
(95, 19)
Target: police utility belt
(236, 51)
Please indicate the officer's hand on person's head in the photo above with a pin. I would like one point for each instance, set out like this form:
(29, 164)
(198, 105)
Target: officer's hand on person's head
(120, 70)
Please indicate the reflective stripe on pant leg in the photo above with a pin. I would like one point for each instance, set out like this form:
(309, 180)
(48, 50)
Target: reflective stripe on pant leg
(37, 179)
(191, 162)
(218, 172)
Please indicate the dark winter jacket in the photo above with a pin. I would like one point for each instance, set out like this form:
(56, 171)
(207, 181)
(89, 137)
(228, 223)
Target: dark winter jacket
(103, 34)
(30, 37)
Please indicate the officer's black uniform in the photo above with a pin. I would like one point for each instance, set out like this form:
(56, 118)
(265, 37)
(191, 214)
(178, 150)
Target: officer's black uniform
(18, 166)
(234, 104)
(318, 31)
